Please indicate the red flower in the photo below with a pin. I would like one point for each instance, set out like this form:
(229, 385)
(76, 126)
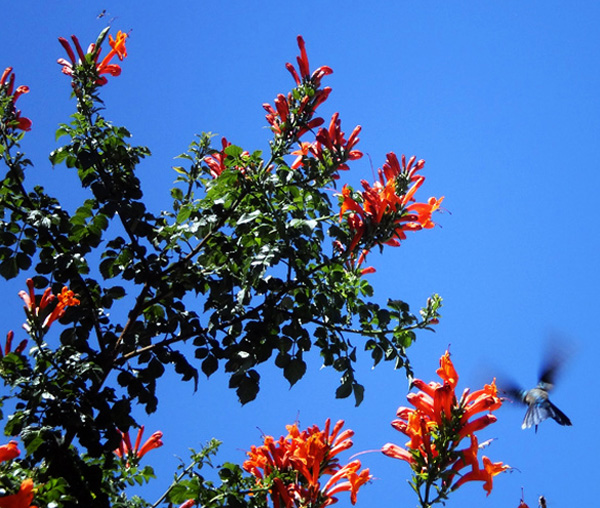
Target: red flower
(354, 481)
(7, 83)
(482, 400)
(397, 452)
(490, 469)
(9, 451)
(40, 311)
(304, 68)
(385, 205)
(66, 298)
(118, 49)
(21, 499)
(8, 346)
(424, 211)
(331, 142)
(291, 467)
(437, 426)
(216, 161)
(447, 371)
(292, 116)
(125, 449)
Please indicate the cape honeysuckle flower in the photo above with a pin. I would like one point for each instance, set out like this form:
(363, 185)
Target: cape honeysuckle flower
(386, 205)
(7, 85)
(292, 116)
(105, 66)
(38, 311)
(291, 467)
(279, 118)
(490, 469)
(126, 451)
(352, 262)
(66, 298)
(9, 451)
(8, 345)
(304, 68)
(437, 425)
(331, 143)
(302, 152)
(216, 161)
(21, 499)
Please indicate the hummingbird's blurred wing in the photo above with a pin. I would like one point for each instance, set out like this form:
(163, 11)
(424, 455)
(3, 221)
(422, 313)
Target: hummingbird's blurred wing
(558, 350)
(514, 392)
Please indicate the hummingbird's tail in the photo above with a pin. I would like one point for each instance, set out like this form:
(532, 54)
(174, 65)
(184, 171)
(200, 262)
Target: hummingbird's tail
(558, 415)
(542, 410)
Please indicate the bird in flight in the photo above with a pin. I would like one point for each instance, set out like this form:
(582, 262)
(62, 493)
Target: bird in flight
(539, 406)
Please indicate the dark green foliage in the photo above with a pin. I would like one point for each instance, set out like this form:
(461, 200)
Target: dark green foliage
(242, 271)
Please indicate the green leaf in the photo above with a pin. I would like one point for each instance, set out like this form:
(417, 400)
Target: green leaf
(209, 365)
(344, 390)
(59, 155)
(294, 370)
(233, 151)
(359, 393)
(248, 217)
(9, 268)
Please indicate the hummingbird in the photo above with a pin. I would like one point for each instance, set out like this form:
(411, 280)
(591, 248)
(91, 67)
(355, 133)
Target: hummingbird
(539, 406)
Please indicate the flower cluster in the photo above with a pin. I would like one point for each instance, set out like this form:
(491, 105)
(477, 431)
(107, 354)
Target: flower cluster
(291, 467)
(437, 426)
(41, 311)
(292, 115)
(126, 451)
(387, 205)
(330, 146)
(24, 497)
(105, 66)
(12, 117)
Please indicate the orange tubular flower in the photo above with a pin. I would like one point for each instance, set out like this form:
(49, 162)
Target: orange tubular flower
(216, 161)
(125, 449)
(291, 467)
(304, 68)
(104, 67)
(39, 311)
(447, 371)
(66, 298)
(332, 141)
(7, 84)
(482, 400)
(8, 345)
(436, 427)
(292, 116)
(9, 451)
(21, 499)
(385, 206)
(354, 482)
(397, 452)
(490, 469)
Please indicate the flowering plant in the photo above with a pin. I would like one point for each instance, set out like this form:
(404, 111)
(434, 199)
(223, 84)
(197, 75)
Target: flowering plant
(290, 469)
(111, 289)
(436, 427)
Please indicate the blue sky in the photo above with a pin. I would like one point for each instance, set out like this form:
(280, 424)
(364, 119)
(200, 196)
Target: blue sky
(500, 98)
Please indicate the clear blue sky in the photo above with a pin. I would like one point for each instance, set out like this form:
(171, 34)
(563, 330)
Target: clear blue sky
(502, 101)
